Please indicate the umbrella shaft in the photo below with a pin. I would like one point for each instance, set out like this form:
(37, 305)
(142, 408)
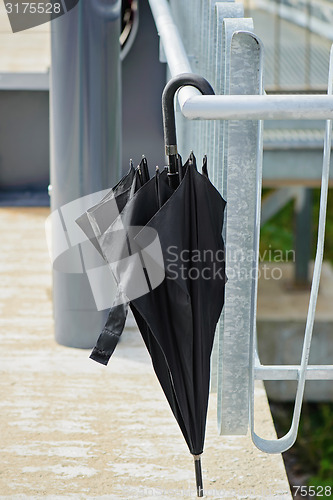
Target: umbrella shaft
(173, 174)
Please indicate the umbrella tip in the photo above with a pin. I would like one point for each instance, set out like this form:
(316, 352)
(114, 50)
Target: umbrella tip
(144, 160)
(198, 474)
(191, 158)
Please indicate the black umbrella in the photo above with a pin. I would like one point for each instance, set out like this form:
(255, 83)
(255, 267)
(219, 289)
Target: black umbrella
(177, 314)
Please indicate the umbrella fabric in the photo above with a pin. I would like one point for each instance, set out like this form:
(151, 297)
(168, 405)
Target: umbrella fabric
(177, 319)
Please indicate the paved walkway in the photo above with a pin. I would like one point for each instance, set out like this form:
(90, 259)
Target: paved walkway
(70, 428)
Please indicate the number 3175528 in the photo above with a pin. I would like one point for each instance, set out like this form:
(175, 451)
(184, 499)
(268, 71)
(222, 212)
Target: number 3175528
(33, 8)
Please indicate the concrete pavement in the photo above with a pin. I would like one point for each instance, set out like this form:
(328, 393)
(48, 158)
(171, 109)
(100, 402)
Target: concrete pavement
(70, 428)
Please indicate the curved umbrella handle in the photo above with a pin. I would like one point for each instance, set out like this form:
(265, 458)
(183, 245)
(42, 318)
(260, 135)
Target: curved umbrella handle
(169, 125)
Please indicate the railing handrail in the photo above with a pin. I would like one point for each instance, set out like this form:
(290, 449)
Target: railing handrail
(226, 107)
(259, 107)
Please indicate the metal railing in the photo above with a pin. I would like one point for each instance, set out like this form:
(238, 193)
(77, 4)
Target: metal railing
(219, 43)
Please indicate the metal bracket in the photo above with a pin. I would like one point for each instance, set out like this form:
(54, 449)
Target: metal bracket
(285, 442)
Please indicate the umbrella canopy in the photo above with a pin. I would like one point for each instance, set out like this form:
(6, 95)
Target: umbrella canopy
(174, 223)
(180, 316)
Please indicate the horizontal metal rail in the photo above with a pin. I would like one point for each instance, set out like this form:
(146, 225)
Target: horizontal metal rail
(259, 107)
(291, 372)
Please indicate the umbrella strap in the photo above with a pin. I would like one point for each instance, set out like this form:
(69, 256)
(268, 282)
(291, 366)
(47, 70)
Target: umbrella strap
(109, 338)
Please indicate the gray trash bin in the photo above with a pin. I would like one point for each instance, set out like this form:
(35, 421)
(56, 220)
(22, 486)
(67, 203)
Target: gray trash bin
(85, 101)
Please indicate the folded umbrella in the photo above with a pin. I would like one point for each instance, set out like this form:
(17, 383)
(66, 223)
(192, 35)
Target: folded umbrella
(173, 225)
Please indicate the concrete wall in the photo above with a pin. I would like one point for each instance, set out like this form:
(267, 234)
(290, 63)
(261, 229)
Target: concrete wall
(24, 139)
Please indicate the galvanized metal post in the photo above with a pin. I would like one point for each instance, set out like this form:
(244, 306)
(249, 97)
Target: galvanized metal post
(241, 176)
(85, 147)
(215, 130)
